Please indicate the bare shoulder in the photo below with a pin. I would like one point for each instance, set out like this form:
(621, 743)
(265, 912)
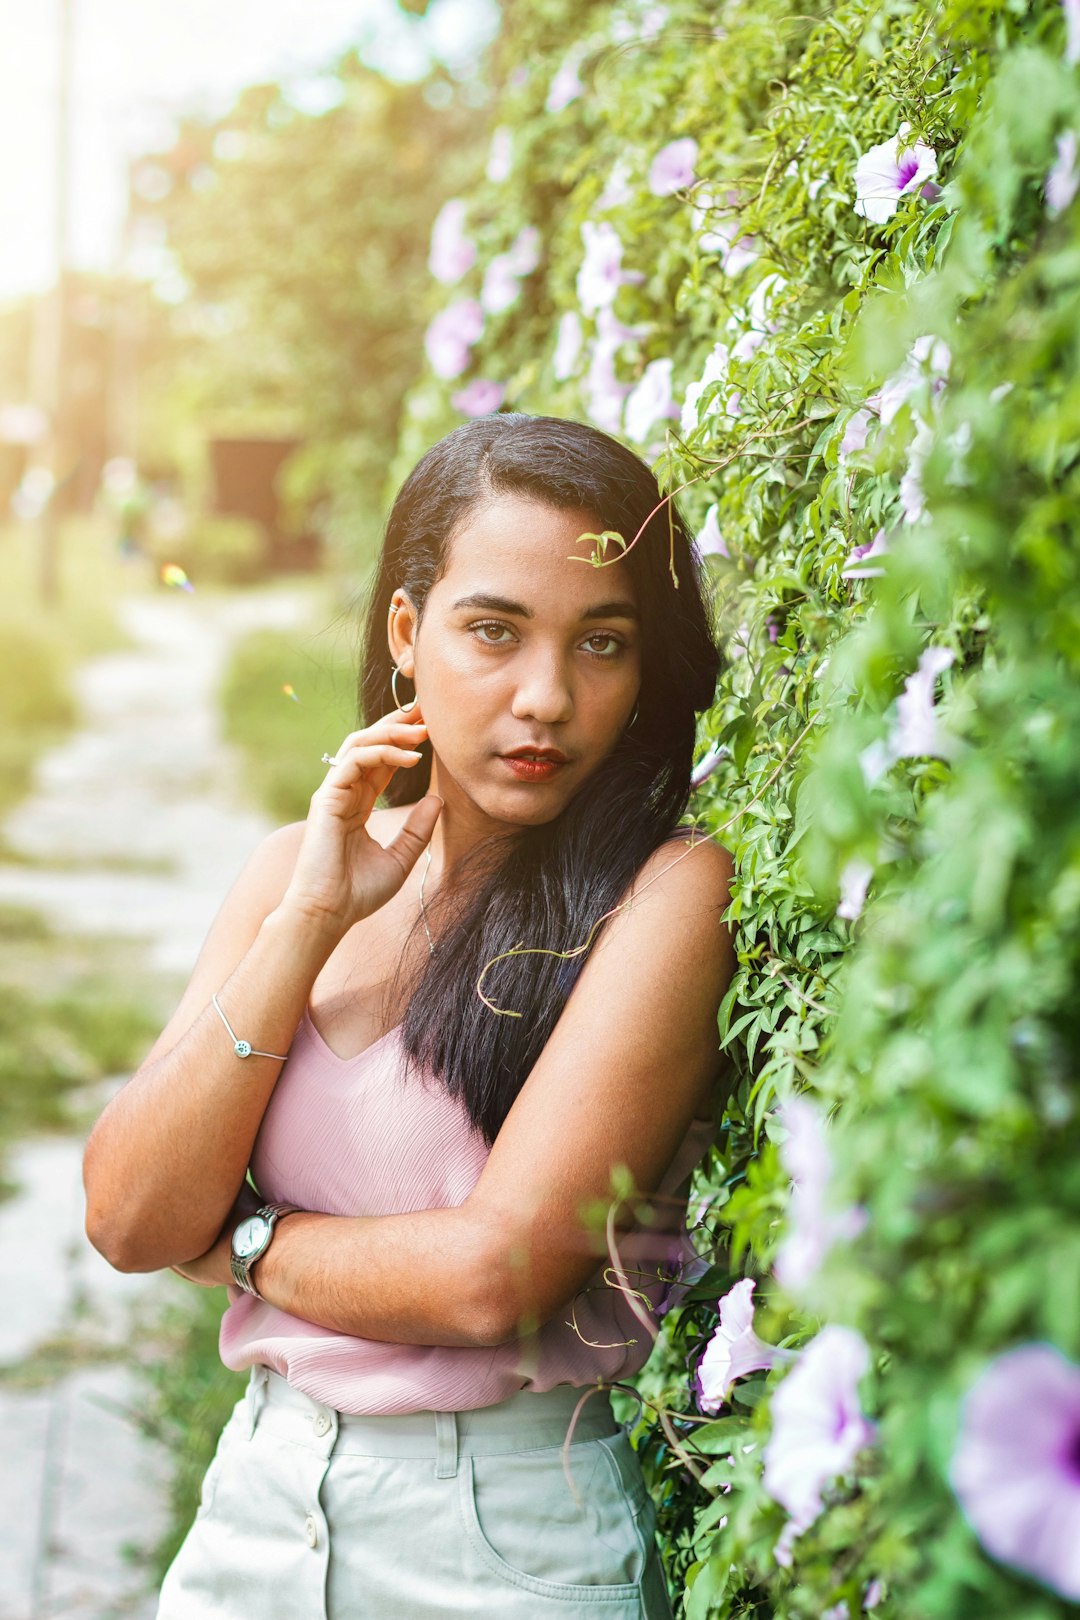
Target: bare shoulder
(689, 870)
(687, 878)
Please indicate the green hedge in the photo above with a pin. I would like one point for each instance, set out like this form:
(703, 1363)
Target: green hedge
(906, 724)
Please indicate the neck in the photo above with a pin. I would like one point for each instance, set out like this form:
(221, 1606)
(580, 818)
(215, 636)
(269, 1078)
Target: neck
(460, 827)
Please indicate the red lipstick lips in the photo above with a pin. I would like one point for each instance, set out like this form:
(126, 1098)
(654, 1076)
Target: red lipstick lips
(534, 764)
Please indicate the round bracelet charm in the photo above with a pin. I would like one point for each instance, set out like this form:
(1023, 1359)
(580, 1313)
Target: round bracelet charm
(242, 1048)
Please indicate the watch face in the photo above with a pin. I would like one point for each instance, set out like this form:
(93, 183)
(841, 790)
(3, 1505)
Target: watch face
(250, 1236)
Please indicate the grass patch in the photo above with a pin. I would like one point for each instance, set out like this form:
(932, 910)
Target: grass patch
(41, 643)
(280, 738)
(189, 1397)
(50, 1046)
(99, 1018)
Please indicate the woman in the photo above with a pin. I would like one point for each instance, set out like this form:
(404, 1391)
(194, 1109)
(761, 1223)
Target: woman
(393, 1024)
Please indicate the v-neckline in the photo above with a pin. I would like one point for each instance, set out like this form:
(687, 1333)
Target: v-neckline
(696, 1123)
(356, 1056)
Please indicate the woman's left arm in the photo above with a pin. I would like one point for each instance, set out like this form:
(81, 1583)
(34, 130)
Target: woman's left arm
(625, 1069)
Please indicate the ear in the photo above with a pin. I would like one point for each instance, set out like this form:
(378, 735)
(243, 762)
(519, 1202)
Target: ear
(401, 628)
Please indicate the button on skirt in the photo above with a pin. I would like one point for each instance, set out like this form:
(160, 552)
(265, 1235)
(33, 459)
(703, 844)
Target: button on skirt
(311, 1514)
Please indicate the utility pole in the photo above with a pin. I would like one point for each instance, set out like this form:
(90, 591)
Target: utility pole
(51, 320)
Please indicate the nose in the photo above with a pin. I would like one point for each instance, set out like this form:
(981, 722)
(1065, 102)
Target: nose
(543, 692)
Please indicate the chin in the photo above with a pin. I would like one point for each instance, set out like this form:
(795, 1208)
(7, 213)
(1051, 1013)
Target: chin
(527, 809)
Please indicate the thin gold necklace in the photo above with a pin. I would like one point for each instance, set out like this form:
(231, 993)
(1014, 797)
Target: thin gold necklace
(423, 913)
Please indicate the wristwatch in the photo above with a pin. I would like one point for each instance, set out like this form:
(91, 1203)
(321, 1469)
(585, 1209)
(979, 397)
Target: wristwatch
(251, 1239)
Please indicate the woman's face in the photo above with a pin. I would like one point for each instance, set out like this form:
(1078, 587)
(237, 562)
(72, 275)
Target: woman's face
(521, 647)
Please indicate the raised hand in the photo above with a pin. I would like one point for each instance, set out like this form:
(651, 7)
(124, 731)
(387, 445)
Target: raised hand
(342, 874)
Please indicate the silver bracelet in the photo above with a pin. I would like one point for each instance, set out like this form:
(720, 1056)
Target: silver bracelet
(242, 1049)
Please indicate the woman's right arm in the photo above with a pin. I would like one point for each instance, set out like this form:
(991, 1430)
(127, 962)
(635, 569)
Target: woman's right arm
(169, 1153)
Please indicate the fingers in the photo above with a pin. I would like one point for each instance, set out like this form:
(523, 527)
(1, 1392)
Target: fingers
(414, 835)
(390, 728)
(372, 764)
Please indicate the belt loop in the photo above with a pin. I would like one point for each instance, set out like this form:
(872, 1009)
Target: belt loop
(446, 1445)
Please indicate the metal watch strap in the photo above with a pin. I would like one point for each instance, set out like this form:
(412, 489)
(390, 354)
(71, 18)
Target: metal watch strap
(241, 1269)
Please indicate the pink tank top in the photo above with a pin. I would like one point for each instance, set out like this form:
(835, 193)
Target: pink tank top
(353, 1136)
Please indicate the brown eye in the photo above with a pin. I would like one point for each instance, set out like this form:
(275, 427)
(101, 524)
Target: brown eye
(615, 647)
(488, 624)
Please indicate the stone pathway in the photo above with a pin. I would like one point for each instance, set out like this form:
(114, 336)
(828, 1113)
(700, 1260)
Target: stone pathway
(141, 814)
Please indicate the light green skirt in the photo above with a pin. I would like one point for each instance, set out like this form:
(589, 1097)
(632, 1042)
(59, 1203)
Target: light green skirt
(311, 1514)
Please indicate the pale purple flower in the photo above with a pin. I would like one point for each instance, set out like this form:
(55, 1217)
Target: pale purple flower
(567, 345)
(523, 254)
(746, 345)
(1016, 1465)
(722, 235)
(603, 390)
(450, 335)
(566, 86)
(500, 155)
(875, 1591)
(500, 288)
(649, 401)
(856, 565)
(888, 172)
(916, 732)
(479, 397)
(812, 1227)
(707, 764)
(617, 189)
(601, 273)
(452, 253)
(649, 24)
(818, 1428)
(928, 359)
(761, 300)
(756, 314)
(672, 169)
(683, 1270)
(959, 442)
(741, 253)
(703, 202)
(855, 434)
(1063, 181)
(854, 882)
(734, 1349)
(911, 490)
(1072, 31)
(710, 542)
(715, 370)
(611, 331)
(814, 186)
(874, 760)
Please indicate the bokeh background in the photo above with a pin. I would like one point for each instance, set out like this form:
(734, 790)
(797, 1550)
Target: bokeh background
(820, 266)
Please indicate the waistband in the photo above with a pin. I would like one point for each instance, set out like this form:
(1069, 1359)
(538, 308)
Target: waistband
(527, 1421)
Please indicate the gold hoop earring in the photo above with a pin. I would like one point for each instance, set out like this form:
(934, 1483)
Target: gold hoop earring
(404, 707)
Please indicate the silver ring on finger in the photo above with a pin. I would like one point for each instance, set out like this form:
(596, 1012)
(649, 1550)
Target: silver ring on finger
(329, 759)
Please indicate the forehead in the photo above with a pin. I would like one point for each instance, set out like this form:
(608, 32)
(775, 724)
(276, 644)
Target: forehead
(515, 546)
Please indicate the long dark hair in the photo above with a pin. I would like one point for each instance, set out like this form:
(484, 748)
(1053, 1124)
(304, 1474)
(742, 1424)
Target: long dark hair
(545, 885)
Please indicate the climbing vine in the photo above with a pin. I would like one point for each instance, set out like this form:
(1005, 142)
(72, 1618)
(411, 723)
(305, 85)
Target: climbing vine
(821, 268)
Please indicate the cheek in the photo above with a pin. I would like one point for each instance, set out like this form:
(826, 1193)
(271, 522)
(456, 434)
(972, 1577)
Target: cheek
(463, 694)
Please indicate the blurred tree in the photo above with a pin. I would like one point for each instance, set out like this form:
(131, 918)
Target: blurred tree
(299, 246)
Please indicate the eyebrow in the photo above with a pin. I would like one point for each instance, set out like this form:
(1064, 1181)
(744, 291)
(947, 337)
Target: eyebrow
(620, 608)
